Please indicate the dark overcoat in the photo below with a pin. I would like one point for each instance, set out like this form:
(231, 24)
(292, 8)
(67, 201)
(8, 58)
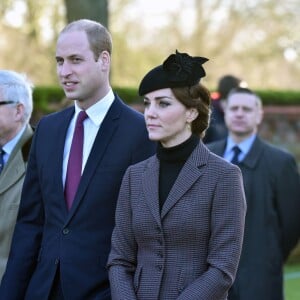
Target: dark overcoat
(272, 228)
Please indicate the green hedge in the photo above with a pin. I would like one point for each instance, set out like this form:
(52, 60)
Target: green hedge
(279, 97)
(50, 98)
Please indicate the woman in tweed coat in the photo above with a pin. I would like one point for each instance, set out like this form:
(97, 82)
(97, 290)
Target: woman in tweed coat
(180, 214)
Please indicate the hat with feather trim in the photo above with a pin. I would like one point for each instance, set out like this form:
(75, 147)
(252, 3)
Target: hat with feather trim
(178, 70)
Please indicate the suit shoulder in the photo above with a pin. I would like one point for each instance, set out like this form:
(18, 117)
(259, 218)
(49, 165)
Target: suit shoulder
(58, 115)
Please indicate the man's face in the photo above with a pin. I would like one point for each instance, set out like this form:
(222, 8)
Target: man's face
(81, 75)
(243, 114)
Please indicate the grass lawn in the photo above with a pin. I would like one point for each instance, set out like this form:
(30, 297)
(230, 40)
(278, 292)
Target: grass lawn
(292, 281)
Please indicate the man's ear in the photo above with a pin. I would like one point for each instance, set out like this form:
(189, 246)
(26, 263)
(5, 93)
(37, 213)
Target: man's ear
(104, 60)
(19, 111)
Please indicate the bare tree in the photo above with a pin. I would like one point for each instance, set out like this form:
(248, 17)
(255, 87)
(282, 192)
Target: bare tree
(91, 9)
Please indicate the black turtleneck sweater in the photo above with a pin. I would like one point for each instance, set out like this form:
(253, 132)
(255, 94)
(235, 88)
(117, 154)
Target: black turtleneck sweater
(171, 162)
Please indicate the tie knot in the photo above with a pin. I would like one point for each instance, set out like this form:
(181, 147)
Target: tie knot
(81, 117)
(236, 149)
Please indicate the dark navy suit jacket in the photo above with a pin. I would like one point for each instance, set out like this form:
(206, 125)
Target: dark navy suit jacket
(46, 234)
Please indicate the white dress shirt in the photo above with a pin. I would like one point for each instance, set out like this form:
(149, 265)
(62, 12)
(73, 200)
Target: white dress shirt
(96, 114)
(244, 147)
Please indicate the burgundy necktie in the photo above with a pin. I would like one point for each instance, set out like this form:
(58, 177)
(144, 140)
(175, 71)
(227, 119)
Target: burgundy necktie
(75, 160)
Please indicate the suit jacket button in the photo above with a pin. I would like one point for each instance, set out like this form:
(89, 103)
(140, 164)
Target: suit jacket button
(66, 231)
(56, 261)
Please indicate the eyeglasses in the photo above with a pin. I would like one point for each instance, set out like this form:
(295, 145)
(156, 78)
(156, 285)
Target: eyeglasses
(7, 102)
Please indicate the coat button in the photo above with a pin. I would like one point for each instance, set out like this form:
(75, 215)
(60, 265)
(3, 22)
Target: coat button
(56, 262)
(159, 267)
(66, 231)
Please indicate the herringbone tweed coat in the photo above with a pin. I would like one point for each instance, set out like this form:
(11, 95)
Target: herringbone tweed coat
(189, 250)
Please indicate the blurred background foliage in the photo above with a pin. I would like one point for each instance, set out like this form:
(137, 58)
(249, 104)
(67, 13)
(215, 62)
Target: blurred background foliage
(256, 40)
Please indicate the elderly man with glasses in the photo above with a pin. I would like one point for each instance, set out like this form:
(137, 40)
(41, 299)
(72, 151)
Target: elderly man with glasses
(15, 138)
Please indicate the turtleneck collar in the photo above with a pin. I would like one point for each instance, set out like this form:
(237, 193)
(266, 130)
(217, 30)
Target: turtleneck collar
(179, 152)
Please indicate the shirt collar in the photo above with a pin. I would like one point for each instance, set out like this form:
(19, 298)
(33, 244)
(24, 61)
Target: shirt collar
(9, 147)
(98, 111)
(245, 145)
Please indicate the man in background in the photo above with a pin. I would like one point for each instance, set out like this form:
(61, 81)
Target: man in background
(272, 188)
(77, 160)
(15, 138)
(217, 129)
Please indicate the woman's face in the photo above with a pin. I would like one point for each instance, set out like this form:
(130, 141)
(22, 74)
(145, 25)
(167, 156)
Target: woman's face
(167, 119)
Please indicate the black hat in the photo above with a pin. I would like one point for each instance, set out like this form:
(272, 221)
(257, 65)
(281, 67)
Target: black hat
(178, 70)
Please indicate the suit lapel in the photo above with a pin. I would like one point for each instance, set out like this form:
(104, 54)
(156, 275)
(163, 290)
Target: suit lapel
(57, 157)
(254, 154)
(104, 135)
(190, 173)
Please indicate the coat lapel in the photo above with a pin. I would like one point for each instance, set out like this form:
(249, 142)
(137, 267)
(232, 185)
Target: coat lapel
(150, 187)
(254, 154)
(190, 173)
(15, 167)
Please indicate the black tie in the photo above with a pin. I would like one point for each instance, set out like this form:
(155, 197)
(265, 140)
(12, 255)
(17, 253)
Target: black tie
(237, 151)
(2, 152)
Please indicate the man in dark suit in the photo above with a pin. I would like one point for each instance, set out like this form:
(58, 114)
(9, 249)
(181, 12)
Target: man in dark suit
(15, 138)
(272, 188)
(62, 237)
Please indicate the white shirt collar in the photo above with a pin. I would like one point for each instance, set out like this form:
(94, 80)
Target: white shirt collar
(98, 111)
(9, 147)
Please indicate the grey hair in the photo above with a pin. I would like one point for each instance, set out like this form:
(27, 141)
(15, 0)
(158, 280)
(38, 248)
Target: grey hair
(16, 87)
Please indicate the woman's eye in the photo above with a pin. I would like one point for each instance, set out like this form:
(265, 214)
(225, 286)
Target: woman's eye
(163, 104)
